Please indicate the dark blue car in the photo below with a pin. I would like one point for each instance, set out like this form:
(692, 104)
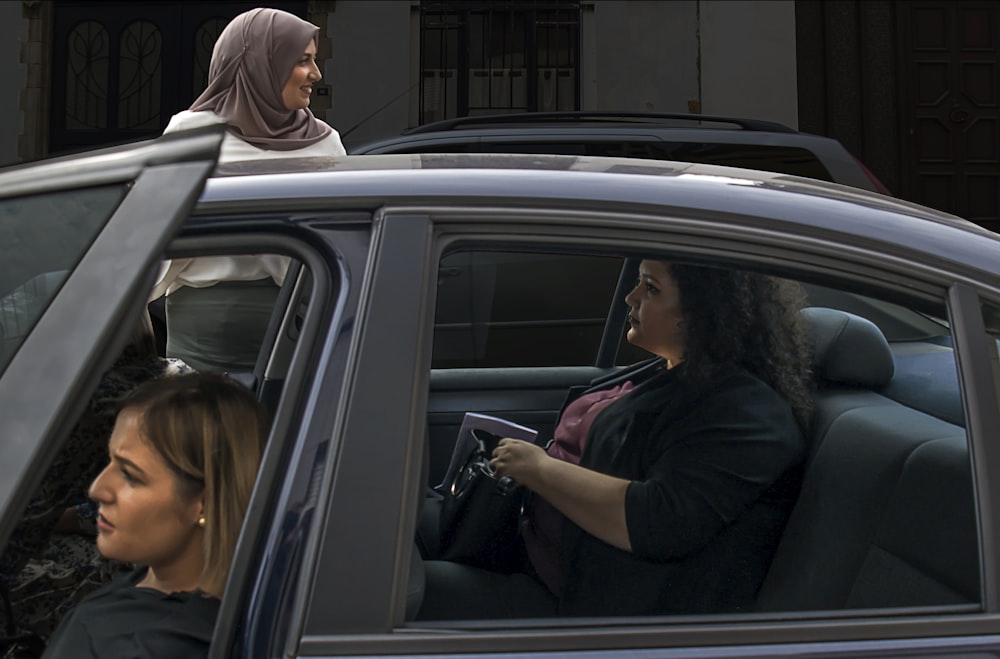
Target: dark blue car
(426, 286)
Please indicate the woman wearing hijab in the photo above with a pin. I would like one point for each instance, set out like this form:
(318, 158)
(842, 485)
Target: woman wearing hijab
(259, 84)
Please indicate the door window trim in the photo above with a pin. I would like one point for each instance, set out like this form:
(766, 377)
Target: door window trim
(742, 247)
(305, 381)
(974, 357)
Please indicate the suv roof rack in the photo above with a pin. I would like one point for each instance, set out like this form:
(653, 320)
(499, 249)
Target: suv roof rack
(556, 117)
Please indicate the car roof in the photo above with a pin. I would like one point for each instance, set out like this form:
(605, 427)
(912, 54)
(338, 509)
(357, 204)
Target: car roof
(590, 118)
(602, 183)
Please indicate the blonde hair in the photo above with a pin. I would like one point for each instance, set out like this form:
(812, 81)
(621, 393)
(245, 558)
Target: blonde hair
(210, 430)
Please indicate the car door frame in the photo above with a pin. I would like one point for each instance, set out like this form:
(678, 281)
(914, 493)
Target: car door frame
(46, 383)
(376, 613)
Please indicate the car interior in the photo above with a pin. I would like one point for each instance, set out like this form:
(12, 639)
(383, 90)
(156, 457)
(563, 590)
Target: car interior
(886, 518)
(886, 515)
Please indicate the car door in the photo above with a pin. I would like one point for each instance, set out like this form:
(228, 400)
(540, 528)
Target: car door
(79, 238)
(362, 579)
(527, 393)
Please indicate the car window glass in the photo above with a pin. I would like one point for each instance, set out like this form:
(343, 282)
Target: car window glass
(42, 238)
(497, 309)
(881, 509)
(433, 147)
(566, 148)
(898, 323)
(780, 159)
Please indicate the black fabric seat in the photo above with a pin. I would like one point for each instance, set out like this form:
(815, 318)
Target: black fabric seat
(886, 516)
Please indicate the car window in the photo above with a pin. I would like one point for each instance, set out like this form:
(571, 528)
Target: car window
(792, 160)
(882, 510)
(41, 240)
(502, 309)
(781, 159)
(575, 147)
(898, 323)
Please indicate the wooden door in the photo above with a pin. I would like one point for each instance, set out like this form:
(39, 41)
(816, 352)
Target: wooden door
(949, 92)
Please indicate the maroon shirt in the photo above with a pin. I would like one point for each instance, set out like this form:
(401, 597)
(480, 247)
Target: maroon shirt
(541, 527)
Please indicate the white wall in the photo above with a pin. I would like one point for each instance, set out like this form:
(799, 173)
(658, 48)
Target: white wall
(13, 75)
(644, 55)
(371, 52)
(748, 59)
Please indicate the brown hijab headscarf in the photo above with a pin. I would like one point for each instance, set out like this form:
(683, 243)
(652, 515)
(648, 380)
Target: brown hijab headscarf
(251, 62)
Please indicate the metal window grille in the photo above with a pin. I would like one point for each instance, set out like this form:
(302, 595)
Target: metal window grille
(498, 57)
(87, 52)
(139, 76)
(204, 42)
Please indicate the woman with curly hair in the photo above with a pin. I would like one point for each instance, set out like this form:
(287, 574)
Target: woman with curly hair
(667, 487)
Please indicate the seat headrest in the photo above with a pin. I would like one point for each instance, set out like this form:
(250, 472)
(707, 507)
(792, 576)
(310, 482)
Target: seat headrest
(847, 348)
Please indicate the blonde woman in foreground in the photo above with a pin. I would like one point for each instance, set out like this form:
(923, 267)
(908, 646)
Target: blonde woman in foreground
(183, 459)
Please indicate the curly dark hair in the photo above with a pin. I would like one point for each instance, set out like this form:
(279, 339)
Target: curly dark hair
(736, 318)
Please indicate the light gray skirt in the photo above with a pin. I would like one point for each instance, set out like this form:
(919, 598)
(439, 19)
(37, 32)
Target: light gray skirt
(220, 328)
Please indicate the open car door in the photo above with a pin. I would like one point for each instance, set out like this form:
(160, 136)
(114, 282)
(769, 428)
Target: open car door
(80, 238)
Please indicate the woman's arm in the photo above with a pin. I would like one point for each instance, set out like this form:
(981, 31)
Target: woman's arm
(595, 502)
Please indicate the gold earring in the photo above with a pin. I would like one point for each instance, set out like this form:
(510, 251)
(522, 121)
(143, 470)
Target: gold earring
(201, 521)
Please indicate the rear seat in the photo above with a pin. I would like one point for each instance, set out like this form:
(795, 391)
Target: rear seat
(886, 517)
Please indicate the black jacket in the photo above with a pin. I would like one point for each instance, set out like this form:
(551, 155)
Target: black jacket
(715, 470)
(121, 621)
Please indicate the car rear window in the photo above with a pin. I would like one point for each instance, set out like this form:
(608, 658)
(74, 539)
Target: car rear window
(781, 159)
(762, 157)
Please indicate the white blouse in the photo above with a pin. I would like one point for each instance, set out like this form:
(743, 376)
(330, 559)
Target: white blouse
(208, 271)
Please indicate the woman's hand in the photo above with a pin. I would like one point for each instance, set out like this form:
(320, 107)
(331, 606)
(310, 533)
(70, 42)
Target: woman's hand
(593, 501)
(518, 459)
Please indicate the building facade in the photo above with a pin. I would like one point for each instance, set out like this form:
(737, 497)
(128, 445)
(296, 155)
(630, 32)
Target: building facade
(910, 87)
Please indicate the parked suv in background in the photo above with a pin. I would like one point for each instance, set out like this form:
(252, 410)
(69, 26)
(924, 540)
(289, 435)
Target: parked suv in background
(711, 140)
(488, 276)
